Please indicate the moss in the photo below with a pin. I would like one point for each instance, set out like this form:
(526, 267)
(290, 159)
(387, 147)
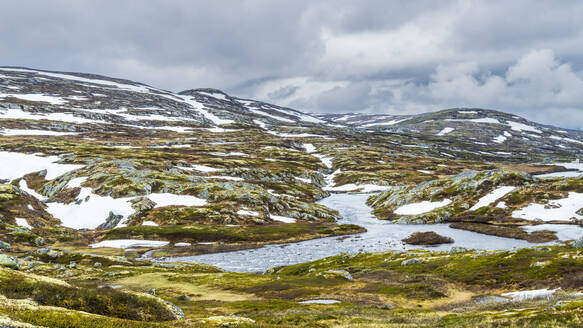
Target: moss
(56, 318)
(208, 233)
(416, 291)
(541, 236)
(427, 238)
(105, 301)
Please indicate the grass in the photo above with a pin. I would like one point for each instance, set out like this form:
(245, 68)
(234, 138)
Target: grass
(105, 301)
(209, 233)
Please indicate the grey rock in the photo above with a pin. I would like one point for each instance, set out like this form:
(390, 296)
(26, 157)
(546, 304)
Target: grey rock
(111, 222)
(54, 254)
(176, 310)
(142, 204)
(577, 243)
(97, 265)
(43, 250)
(39, 241)
(342, 273)
(4, 246)
(8, 261)
(456, 250)
(411, 261)
(59, 267)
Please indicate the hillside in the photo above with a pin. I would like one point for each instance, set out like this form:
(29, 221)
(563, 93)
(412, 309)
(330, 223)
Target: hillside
(110, 171)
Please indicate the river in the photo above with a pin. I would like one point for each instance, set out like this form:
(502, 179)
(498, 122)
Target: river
(380, 236)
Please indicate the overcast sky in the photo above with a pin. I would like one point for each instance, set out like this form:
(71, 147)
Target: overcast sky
(395, 57)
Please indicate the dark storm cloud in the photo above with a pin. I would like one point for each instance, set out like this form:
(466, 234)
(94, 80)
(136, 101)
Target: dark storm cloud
(370, 56)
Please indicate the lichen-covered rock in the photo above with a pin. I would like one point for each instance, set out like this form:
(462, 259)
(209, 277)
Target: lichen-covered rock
(577, 243)
(411, 261)
(111, 221)
(460, 189)
(8, 261)
(338, 273)
(456, 250)
(142, 204)
(4, 246)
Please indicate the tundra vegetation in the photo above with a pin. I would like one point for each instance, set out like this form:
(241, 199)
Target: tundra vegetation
(202, 172)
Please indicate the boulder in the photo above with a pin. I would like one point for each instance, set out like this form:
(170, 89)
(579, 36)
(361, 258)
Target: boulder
(4, 246)
(339, 273)
(456, 250)
(140, 204)
(111, 222)
(577, 243)
(8, 261)
(411, 261)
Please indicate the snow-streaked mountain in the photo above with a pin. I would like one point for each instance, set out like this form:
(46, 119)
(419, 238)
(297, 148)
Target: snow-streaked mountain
(87, 102)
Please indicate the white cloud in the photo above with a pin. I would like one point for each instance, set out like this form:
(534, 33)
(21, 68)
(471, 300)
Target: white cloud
(536, 81)
(329, 55)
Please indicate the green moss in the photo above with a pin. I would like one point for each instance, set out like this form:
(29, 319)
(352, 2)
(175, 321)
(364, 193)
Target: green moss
(207, 233)
(105, 301)
(46, 317)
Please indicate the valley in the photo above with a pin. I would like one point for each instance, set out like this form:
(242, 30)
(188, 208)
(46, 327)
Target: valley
(124, 205)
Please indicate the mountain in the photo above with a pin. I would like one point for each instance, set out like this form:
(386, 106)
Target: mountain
(103, 179)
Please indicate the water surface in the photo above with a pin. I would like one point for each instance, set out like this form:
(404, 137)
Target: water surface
(380, 236)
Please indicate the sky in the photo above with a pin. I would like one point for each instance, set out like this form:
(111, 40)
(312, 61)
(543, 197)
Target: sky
(326, 56)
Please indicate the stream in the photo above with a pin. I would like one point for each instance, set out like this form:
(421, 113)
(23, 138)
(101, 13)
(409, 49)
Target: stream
(380, 236)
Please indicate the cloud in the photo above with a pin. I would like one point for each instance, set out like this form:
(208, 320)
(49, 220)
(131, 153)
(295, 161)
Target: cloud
(373, 56)
(537, 85)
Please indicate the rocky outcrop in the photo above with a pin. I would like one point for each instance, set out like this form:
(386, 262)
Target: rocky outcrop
(111, 222)
(462, 190)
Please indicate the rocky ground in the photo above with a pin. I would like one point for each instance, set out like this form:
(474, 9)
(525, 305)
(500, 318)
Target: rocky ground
(91, 160)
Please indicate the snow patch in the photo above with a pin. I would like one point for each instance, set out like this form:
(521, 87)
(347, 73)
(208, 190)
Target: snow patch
(76, 182)
(167, 199)
(35, 97)
(15, 165)
(226, 177)
(500, 139)
(129, 243)
(492, 197)
(22, 132)
(309, 148)
(199, 107)
(522, 127)
(284, 219)
(23, 223)
(24, 187)
(201, 168)
(445, 131)
(421, 207)
(556, 210)
(246, 212)
(61, 117)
